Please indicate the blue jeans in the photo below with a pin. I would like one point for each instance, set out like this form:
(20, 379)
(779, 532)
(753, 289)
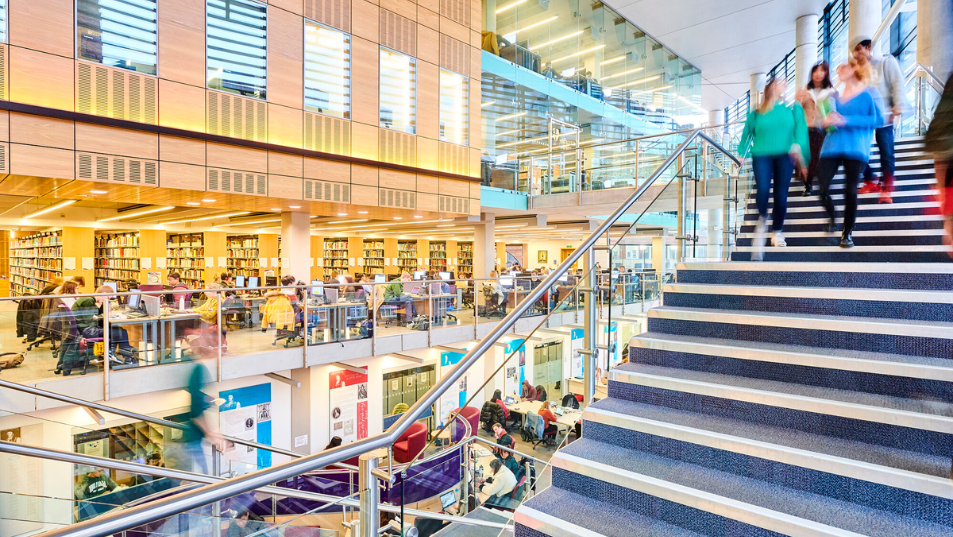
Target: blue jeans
(888, 162)
(776, 170)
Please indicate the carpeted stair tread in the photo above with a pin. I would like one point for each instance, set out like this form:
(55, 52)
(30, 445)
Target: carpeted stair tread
(827, 319)
(804, 505)
(603, 518)
(838, 447)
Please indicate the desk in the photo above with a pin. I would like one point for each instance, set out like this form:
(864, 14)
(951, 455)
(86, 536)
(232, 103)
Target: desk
(563, 423)
(120, 319)
(331, 320)
(168, 320)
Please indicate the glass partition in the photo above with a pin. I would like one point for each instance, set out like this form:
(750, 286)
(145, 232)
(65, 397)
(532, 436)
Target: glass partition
(118, 33)
(327, 70)
(236, 37)
(398, 91)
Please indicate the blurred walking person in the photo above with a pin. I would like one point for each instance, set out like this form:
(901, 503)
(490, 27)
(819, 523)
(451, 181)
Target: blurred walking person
(815, 99)
(855, 116)
(776, 134)
(887, 78)
(189, 454)
(939, 141)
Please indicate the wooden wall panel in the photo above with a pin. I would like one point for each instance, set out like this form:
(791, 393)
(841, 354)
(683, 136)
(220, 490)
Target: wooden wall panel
(364, 195)
(428, 94)
(113, 141)
(327, 170)
(365, 141)
(426, 153)
(404, 8)
(285, 59)
(432, 5)
(427, 17)
(42, 131)
(366, 20)
(474, 163)
(4, 126)
(475, 190)
(182, 176)
(284, 164)
(42, 25)
(398, 180)
(476, 15)
(181, 106)
(364, 175)
(38, 161)
(280, 186)
(182, 41)
(426, 183)
(476, 119)
(365, 59)
(236, 158)
(175, 149)
(476, 68)
(294, 6)
(476, 39)
(41, 79)
(454, 30)
(454, 187)
(426, 202)
(285, 125)
(428, 44)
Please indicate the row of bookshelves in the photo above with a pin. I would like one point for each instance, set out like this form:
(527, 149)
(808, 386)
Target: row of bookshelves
(34, 261)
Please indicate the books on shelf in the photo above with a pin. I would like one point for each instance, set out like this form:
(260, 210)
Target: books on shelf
(34, 261)
(335, 256)
(464, 260)
(243, 255)
(438, 256)
(185, 254)
(407, 255)
(373, 256)
(117, 259)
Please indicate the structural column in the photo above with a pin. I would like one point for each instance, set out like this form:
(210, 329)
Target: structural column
(658, 253)
(805, 53)
(757, 88)
(865, 17)
(296, 245)
(484, 245)
(935, 36)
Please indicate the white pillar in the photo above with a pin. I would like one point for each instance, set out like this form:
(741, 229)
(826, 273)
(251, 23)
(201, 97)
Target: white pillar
(658, 253)
(296, 245)
(757, 87)
(865, 17)
(489, 15)
(935, 36)
(805, 53)
(716, 117)
(484, 246)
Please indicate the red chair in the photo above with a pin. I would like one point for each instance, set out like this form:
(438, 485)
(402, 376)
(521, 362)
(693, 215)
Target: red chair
(412, 442)
(458, 430)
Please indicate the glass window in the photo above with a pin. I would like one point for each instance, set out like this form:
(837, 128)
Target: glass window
(454, 108)
(3, 21)
(327, 70)
(118, 33)
(398, 92)
(236, 39)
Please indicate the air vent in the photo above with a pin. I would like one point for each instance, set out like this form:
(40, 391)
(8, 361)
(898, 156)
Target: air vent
(327, 134)
(3, 72)
(452, 158)
(110, 169)
(325, 191)
(237, 117)
(454, 55)
(398, 33)
(237, 182)
(400, 199)
(453, 204)
(398, 147)
(4, 166)
(336, 13)
(115, 93)
(456, 10)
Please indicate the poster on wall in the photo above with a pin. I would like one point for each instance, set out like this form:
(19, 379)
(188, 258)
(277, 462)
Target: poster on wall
(518, 361)
(246, 414)
(578, 339)
(348, 405)
(455, 397)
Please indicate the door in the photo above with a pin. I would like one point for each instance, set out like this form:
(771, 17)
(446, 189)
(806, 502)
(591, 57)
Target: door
(541, 366)
(565, 253)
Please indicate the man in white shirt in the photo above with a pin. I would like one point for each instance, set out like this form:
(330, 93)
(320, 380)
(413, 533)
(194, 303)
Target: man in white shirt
(502, 482)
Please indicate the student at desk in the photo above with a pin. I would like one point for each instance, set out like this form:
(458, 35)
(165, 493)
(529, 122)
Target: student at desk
(278, 310)
(501, 483)
(549, 419)
(394, 293)
(179, 289)
(88, 312)
(529, 392)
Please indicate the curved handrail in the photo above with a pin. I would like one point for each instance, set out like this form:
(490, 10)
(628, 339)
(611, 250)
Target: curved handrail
(117, 522)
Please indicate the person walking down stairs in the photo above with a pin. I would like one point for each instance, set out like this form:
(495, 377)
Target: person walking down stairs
(776, 134)
(939, 141)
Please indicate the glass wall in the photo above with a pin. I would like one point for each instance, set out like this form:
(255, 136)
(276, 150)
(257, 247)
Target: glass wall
(3, 21)
(236, 39)
(398, 91)
(118, 33)
(327, 70)
(454, 108)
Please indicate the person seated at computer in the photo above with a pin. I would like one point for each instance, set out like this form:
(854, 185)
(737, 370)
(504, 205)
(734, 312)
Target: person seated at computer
(434, 277)
(94, 483)
(278, 310)
(501, 482)
(180, 290)
(88, 312)
(366, 285)
(503, 438)
(509, 460)
(228, 281)
(496, 289)
(498, 398)
(208, 311)
(549, 418)
(394, 294)
(529, 392)
(541, 393)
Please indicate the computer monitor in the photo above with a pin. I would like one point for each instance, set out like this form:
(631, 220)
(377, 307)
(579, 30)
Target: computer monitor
(380, 278)
(558, 410)
(317, 287)
(150, 304)
(271, 281)
(564, 278)
(111, 285)
(444, 275)
(436, 288)
(419, 274)
(332, 295)
(134, 299)
(239, 281)
(253, 281)
(507, 281)
(509, 400)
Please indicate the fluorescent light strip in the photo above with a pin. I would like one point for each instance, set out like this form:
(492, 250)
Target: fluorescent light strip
(347, 221)
(581, 52)
(510, 6)
(488, 103)
(251, 223)
(651, 90)
(535, 24)
(557, 40)
(135, 214)
(613, 60)
(507, 133)
(50, 208)
(689, 103)
(229, 215)
(511, 116)
(629, 72)
(634, 82)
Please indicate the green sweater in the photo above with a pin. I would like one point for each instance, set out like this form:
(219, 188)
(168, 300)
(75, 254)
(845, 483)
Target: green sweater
(85, 311)
(775, 132)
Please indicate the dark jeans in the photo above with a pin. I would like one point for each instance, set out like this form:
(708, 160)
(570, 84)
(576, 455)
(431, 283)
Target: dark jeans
(776, 170)
(888, 162)
(410, 310)
(118, 337)
(826, 169)
(816, 137)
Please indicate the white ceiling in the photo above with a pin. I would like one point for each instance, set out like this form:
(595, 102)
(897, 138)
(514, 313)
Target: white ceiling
(727, 39)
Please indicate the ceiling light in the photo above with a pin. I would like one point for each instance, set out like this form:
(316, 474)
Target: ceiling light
(613, 60)
(138, 213)
(689, 103)
(249, 223)
(206, 218)
(580, 53)
(514, 131)
(398, 218)
(488, 103)
(511, 116)
(651, 90)
(535, 24)
(192, 203)
(208, 200)
(275, 209)
(345, 221)
(557, 40)
(361, 212)
(50, 208)
(510, 5)
(99, 192)
(294, 206)
(623, 73)
(447, 225)
(342, 214)
(634, 82)
(418, 216)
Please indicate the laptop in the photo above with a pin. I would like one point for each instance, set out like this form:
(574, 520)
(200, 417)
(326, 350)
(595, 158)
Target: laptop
(447, 499)
(559, 411)
(509, 400)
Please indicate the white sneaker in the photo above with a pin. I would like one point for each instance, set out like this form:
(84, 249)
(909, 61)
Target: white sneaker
(778, 240)
(758, 243)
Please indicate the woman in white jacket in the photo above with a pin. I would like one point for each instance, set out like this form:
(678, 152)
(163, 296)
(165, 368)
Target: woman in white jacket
(815, 101)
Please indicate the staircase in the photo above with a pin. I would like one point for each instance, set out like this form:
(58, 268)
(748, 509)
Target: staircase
(806, 396)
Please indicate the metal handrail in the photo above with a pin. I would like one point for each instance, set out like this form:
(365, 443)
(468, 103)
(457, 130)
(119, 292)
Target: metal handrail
(920, 69)
(117, 522)
(888, 20)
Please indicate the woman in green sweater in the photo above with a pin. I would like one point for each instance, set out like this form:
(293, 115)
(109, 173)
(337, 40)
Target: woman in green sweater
(776, 134)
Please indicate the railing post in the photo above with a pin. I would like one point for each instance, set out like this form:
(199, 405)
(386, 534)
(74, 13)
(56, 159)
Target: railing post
(589, 373)
(430, 316)
(680, 238)
(465, 488)
(369, 492)
(374, 322)
(218, 332)
(217, 472)
(105, 349)
(306, 336)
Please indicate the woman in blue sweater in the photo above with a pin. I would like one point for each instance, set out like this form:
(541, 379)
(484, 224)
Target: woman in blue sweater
(856, 114)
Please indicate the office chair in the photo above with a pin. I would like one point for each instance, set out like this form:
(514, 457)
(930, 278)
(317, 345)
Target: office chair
(494, 307)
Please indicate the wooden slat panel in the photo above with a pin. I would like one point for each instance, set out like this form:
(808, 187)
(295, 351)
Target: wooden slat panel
(42, 25)
(181, 106)
(285, 59)
(178, 175)
(41, 79)
(454, 55)
(456, 10)
(113, 141)
(42, 131)
(428, 94)
(334, 13)
(365, 61)
(31, 160)
(398, 32)
(237, 158)
(367, 18)
(174, 149)
(182, 41)
(285, 125)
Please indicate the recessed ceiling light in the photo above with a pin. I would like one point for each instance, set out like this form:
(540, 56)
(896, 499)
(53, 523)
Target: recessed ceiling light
(275, 209)
(398, 218)
(294, 206)
(192, 203)
(99, 192)
(342, 214)
(418, 216)
(208, 200)
(361, 212)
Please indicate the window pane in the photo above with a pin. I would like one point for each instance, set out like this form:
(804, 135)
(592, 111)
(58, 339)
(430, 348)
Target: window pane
(454, 108)
(119, 33)
(3, 21)
(236, 41)
(327, 70)
(398, 93)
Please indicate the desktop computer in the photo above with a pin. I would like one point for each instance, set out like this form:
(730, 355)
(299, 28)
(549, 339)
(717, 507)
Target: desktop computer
(419, 274)
(150, 304)
(380, 278)
(444, 275)
(239, 281)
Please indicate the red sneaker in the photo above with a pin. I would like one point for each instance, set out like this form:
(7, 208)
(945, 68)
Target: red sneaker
(885, 197)
(869, 188)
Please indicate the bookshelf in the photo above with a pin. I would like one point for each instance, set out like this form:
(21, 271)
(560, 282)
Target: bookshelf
(335, 255)
(117, 259)
(186, 255)
(464, 260)
(243, 255)
(374, 256)
(407, 256)
(34, 261)
(438, 256)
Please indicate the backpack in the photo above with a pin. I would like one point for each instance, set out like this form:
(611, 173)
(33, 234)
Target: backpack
(421, 322)
(367, 328)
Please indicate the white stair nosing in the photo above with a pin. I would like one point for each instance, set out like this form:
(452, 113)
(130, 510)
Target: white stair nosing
(863, 208)
(872, 195)
(697, 499)
(858, 325)
(816, 266)
(821, 462)
(756, 354)
(550, 525)
(829, 293)
(862, 233)
(907, 248)
(863, 219)
(801, 403)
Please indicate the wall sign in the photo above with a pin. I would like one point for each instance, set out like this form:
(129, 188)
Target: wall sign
(348, 397)
(246, 414)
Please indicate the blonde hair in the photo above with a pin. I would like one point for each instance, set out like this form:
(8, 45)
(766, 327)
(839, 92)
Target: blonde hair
(862, 70)
(104, 289)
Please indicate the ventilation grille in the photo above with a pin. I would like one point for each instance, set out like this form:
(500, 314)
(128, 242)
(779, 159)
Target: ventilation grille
(3, 72)
(324, 191)
(237, 117)
(452, 158)
(4, 155)
(115, 93)
(336, 13)
(327, 134)
(454, 55)
(110, 169)
(400, 199)
(253, 184)
(398, 147)
(398, 33)
(453, 204)
(456, 10)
